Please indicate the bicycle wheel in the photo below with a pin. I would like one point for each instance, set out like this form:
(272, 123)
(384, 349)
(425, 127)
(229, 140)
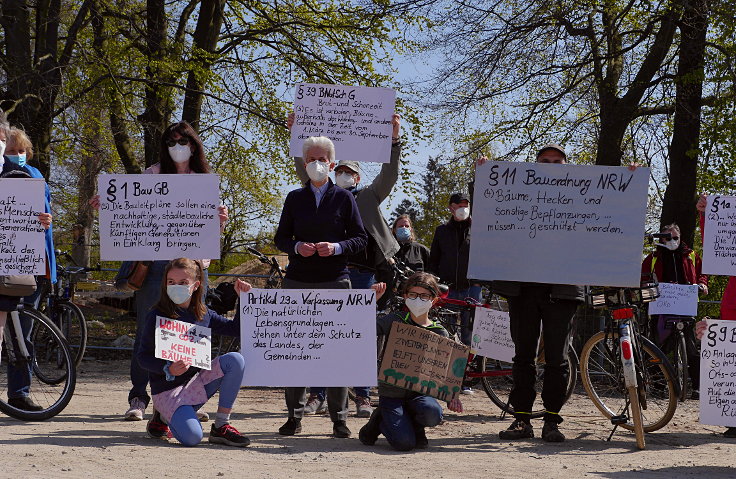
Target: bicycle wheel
(637, 417)
(499, 382)
(51, 355)
(70, 320)
(681, 365)
(600, 369)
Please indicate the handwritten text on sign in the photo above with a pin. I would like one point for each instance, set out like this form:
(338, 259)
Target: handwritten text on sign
(558, 224)
(22, 239)
(182, 341)
(296, 337)
(718, 374)
(679, 299)
(719, 238)
(492, 335)
(357, 119)
(422, 361)
(159, 217)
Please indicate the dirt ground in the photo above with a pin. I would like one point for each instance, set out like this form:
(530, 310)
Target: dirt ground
(90, 439)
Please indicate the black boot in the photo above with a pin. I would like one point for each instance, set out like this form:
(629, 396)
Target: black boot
(369, 433)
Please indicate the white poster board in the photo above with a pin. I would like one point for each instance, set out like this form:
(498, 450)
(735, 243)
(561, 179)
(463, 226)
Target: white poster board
(299, 337)
(678, 299)
(159, 217)
(492, 335)
(718, 374)
(719, 237)
(559, 224)
(356, 118)
(179, 340)
(22, 238)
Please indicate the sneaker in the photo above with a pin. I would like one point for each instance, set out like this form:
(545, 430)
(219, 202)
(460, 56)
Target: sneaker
(551, 432)
(363, 406)
(467, 390)
(227, 435)
(517, 430)
(203, 416)
(369, 433)
(25, 403)
(421, 438)
(315, 405)
(157, 428)
(293, 426)
(136, 410)
(340, 429)
(730, 432)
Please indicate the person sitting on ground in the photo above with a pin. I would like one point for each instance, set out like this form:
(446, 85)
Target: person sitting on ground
(403, 415)
(179, 390)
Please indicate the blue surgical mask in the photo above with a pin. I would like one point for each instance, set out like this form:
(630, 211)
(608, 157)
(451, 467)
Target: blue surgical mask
(179, 293)
(403, 233)
(19, 160)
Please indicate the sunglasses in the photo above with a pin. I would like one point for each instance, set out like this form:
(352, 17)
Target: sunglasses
(182, 141)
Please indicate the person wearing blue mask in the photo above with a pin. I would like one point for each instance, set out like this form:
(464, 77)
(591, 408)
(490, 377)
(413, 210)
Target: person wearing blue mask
(414, 255)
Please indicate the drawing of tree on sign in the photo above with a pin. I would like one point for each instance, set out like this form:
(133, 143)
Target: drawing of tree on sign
(424, 385)
(397, 376)
(455, 390)
(388, 373)
(431, 385)
(476, 340)
(443, 391)
(411, 381)
(458, 367)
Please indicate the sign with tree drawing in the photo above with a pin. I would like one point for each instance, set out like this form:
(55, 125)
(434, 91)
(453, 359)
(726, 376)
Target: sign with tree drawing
(419, 360)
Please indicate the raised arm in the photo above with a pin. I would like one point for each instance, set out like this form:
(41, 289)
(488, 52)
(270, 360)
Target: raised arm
(386, 179)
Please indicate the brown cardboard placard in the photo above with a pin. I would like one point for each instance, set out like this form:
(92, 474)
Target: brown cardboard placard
(422, 361)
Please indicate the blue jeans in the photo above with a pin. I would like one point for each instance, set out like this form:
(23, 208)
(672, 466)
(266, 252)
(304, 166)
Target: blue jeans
(184, 423)
(358, 280)
(401, 418)
(466, 328)
(19, 378)
(145, 299)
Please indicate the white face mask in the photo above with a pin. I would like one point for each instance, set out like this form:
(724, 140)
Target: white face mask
(462, 214)
(344, 180)
(318, 170)
(418, 306)
(2, 152)
(180, 153)
(179, 293)
(671, 245)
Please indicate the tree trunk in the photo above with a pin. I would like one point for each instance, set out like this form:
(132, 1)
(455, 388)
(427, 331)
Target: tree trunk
(678, 205)
(205, 41)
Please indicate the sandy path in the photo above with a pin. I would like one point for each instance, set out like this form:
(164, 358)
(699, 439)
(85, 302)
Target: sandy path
(89, 439)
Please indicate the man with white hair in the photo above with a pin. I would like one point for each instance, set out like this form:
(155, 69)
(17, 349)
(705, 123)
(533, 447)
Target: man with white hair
(319, 228)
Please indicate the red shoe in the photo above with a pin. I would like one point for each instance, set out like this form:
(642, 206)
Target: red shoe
(228, 435)
(157, 428)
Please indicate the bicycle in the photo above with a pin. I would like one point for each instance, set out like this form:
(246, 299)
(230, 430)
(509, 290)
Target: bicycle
(53, 371)
(628, 378)
(57, 303)
(680, 341)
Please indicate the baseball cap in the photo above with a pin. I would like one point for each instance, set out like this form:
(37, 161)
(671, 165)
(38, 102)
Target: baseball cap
(353, 166)
(552, 146)
(458, 197)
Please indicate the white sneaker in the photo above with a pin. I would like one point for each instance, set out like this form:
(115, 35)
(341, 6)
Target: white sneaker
(467, 390)
(136, 410)
(363, 406)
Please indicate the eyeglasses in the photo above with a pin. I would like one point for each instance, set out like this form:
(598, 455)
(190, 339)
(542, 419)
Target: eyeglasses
(422, 296)
(675, 238)
(182, 141)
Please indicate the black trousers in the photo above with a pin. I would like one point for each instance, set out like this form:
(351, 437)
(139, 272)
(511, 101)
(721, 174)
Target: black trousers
(532, 309)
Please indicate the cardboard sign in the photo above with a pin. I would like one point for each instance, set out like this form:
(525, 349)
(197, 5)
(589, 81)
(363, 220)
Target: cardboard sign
(492, 335)
(178, 340)
(424, 362)
(298, 337)
(718, 374)
(159, 217)
(22, 238)
(719, 237)
(558, 224)
(678, 299)
(357, 119)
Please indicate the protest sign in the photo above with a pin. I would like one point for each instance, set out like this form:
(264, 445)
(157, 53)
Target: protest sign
(159, 217)
(22, 238)
(559, 224)
(357, 119)
(492, 335)
(419, 360)
(297, 337)
(178, 340)
(679, 299)
(719, 237)
(718, 374)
